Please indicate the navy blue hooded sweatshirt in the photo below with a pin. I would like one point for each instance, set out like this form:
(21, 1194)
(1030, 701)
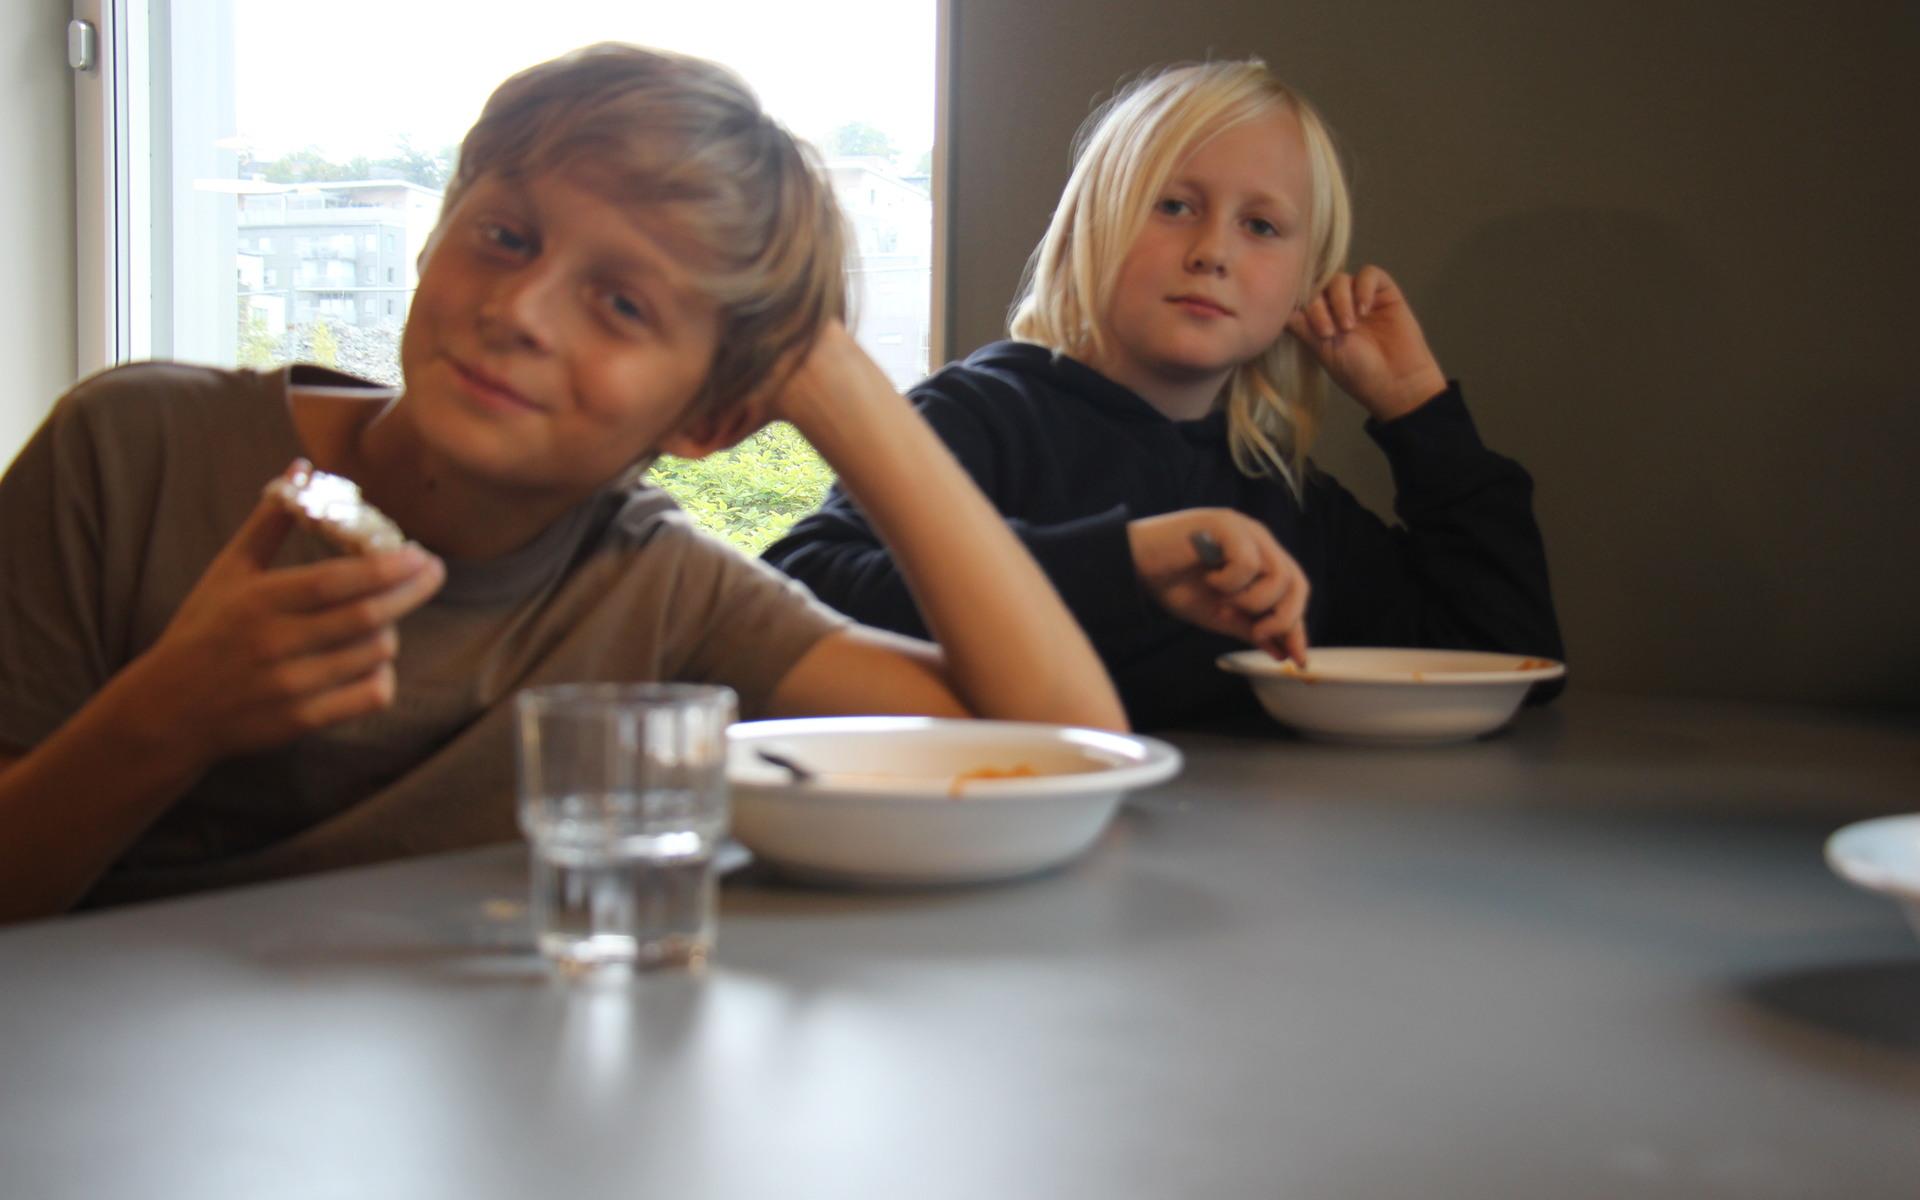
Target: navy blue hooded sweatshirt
(1069, 457)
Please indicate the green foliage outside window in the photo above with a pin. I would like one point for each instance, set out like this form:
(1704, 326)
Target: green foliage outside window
(258, 348)
(326, 348)
(858, 137)
(752, 493)
(309, 165)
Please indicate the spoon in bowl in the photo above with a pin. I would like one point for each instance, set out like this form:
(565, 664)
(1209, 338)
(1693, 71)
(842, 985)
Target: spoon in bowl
(800, 774)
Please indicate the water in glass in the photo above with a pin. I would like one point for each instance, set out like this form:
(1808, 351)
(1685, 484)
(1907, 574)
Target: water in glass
(608, 897)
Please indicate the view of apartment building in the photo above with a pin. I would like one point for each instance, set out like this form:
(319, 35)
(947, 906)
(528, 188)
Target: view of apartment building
(341, 252)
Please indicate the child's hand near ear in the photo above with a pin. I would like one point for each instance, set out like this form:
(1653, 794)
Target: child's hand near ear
(833, 367)
(1364, 333)
(1256, 593)
(806, 387)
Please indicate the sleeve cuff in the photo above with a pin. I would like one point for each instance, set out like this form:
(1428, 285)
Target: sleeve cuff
(1441, 424)
(1435, 451)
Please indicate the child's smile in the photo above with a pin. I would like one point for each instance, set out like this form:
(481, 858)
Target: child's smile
(488, 392)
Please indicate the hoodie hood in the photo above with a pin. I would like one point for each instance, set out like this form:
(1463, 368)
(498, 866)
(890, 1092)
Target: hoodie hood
(1026, 364)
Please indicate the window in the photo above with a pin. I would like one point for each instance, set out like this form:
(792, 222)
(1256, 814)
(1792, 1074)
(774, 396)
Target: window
(225, 155)
(230, 163)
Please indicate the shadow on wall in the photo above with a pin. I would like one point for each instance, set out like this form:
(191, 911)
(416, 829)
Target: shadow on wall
(1722, 517)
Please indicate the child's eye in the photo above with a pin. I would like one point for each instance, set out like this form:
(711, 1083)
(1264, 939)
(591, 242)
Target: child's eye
(1261, 227)
(626, 311)
(1172, 207)
(499, 235)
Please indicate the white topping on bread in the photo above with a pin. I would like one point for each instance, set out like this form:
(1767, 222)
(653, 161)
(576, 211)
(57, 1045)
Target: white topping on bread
(332, 507)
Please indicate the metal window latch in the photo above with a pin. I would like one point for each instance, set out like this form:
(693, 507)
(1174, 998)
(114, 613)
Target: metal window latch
(81, 39)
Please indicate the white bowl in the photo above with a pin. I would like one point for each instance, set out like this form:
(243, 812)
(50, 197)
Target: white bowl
(1882, 855)
(1393, 697)
(889, 802)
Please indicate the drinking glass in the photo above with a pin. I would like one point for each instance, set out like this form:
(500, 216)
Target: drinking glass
(623, 798)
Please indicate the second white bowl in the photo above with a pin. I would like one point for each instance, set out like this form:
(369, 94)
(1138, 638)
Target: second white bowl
(1392, 697)
(1882, 855)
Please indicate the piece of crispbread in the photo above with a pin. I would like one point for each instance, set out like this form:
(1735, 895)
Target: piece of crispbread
(331, 506)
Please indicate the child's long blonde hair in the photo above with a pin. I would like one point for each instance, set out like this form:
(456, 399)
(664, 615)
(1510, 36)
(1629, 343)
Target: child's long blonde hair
(1123, 156)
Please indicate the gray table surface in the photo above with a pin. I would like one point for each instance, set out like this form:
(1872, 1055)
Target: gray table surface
(1598, 955)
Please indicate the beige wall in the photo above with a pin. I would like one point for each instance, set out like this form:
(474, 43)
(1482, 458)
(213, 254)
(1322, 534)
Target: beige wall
(1670, 252)
(36, 211)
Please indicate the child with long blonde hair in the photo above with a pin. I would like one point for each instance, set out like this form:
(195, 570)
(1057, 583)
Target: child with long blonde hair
(1147, 432)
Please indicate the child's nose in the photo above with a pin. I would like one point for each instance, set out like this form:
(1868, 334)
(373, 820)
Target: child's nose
(1208, 253)
(519, 307)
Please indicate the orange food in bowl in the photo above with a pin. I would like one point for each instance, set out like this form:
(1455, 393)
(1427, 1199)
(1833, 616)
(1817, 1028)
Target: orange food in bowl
(1019, 771)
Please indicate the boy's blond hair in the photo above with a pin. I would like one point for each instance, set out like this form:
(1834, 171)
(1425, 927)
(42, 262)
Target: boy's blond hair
(1124, 155)
(748, 208)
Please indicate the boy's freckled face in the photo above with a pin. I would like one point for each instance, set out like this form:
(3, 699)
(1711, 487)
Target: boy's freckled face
(1217, 269)
(554, 340)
